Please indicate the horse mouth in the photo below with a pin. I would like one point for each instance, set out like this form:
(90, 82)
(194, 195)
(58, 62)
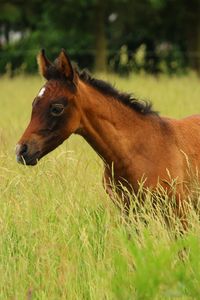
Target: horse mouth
(29, 160)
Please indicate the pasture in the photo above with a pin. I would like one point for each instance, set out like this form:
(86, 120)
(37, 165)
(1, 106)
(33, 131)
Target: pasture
(61, 237)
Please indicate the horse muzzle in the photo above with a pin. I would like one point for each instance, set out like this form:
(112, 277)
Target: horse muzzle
(26, 155)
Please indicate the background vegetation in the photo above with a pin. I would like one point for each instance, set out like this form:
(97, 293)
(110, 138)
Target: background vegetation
(61, 237)
(115, 35)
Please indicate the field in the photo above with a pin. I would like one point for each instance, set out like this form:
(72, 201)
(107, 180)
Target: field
(60, 235)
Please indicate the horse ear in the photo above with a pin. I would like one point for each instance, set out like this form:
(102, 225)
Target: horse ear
(43, 63)
(65, 66)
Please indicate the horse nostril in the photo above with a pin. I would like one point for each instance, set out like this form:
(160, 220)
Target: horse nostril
(23, 150)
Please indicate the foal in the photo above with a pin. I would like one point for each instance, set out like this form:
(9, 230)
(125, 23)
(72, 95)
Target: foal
(133, 141)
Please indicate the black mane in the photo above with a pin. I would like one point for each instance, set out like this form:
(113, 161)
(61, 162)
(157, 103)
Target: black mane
(142, 107)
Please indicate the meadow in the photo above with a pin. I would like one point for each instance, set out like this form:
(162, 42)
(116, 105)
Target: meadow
(61, 237)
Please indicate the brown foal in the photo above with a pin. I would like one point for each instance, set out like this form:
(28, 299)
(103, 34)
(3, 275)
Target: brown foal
(133, 141)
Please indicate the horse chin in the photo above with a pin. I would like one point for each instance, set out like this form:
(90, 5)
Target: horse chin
(32, 163)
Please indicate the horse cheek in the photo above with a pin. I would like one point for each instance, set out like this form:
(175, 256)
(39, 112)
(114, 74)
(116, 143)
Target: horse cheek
(72, 123)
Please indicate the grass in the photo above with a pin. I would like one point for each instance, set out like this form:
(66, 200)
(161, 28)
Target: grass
(60, 235)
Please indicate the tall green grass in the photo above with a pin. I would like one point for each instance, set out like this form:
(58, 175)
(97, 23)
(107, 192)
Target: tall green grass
(61, 237)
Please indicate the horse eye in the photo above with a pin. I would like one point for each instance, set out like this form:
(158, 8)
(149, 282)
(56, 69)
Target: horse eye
(57, 109)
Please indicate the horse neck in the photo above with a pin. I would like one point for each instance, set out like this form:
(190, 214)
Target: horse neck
(109, 126)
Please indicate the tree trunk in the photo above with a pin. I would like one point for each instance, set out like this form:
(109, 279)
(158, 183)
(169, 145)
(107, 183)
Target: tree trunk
(100, 63)
(6, 32)
(198, 46)
(193, 39)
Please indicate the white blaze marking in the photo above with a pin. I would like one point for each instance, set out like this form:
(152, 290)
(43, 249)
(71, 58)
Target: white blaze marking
(41, 92)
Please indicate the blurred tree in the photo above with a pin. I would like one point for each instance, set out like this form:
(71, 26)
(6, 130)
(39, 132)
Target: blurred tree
(9, 18)
(94, 31)
(100, 36)
(191, 25)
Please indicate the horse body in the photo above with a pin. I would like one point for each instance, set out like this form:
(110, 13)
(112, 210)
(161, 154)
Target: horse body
(134, 142)
(140, 147)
